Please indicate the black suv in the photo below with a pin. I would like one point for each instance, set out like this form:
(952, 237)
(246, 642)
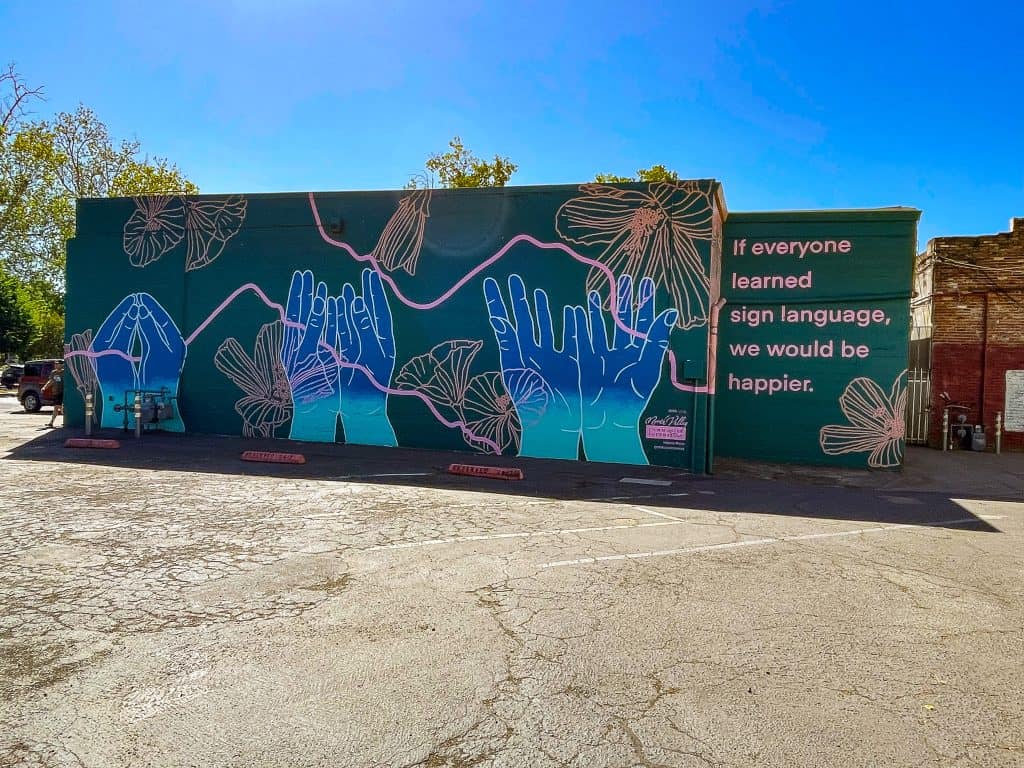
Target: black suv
(11, 375)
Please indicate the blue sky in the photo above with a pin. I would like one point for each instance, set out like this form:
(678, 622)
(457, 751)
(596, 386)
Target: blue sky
(803, 104)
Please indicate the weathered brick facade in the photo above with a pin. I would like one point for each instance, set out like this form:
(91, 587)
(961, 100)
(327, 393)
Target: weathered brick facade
(971, 295)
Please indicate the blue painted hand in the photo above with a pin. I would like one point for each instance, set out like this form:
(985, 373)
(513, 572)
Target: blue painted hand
(310, 336)
(556, 434)
(366, 340)
(617, 378)
(139, 347)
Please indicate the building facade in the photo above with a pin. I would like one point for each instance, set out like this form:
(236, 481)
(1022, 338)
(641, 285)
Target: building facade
(572, 322)
(969, 308)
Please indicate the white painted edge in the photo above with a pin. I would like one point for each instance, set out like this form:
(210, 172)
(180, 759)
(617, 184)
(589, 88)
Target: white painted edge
(642, 481)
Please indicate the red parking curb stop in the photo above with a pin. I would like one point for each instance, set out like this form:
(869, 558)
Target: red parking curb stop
(273, 457)
(86, 442)
(476, 470)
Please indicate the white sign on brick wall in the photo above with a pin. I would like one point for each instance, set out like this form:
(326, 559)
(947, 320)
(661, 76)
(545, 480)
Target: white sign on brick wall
(1013, 411)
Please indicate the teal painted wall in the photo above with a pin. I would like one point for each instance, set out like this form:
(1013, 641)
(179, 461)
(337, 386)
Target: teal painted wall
(813, 370)
(566, 322)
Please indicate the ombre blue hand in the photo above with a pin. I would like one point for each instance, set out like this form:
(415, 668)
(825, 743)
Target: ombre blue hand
(617, 378)
(524, 344)
(310, 335)
(366, 338)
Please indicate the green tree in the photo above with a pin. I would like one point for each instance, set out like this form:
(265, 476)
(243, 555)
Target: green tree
(46, 311)
(650, 175)
(46, 164)
(15, 318)
(459, 167)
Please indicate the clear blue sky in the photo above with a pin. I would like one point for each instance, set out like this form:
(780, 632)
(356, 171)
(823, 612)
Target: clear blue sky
(791, 104)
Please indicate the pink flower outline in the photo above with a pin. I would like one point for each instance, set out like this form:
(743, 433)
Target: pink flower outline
(267, 403)
(876, 423)
(647, 234)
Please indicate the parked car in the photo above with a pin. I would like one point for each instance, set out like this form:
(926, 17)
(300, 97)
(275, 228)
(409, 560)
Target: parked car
(30, 388)
(11, 375)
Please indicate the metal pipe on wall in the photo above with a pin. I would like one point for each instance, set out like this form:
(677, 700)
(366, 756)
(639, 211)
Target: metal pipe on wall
(984, 360)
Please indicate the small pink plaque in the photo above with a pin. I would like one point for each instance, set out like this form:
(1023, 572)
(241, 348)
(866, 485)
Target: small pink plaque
(657, 432)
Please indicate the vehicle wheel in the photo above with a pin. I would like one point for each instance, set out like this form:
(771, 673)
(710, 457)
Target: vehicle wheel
(31, 402)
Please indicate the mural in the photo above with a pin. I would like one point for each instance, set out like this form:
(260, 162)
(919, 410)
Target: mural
(553, 322)
(813, 350)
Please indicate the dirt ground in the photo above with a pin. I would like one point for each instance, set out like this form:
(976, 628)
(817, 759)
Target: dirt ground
(167, 605)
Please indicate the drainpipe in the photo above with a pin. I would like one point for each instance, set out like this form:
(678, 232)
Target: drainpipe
(709, 457)
(984, 360)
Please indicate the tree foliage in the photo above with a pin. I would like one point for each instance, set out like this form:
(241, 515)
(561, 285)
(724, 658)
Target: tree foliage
(15, 318)
(46, 164)
(459, 167)
(650, 175)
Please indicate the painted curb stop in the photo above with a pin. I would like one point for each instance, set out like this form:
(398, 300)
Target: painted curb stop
(87, 442)
(477, 470)
(274, 457)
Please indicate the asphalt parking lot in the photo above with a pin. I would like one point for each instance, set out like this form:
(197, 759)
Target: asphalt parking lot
(167, 605)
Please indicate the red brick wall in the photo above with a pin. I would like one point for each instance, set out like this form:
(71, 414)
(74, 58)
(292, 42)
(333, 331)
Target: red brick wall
(977, 312)
(957, 370)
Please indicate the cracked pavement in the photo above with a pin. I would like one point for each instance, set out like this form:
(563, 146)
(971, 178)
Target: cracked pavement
(163, 605)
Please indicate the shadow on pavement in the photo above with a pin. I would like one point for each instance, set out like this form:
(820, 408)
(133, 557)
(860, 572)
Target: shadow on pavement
(660, 487)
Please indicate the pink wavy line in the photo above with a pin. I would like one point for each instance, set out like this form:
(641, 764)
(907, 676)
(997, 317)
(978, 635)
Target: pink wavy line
(231, 297)
(89, 353)
(709, 388)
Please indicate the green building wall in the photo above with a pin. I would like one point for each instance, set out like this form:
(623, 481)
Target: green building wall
(814, 334)
(564, 322)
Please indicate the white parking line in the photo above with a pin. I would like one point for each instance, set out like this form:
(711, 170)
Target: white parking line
(385, 474)
(659, 514)
(755, 542)
(516, 535)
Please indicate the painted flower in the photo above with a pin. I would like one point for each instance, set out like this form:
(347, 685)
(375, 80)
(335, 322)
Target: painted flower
(400, 242)
(210, 224)
(490, 412)
(647, 234)
(442, 374)
(81, 366)
(159, 223)
(497, 406)
(876, 423)
(267, 403)
(156, 226)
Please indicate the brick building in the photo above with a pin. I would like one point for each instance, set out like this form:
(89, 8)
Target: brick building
(970, 305)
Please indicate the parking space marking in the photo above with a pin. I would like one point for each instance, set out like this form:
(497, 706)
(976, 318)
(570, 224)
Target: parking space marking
(385, 474)
(660, 514)
(516, 535)
(753, 542)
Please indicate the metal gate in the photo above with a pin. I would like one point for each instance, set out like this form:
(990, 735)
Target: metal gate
(919, 390)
